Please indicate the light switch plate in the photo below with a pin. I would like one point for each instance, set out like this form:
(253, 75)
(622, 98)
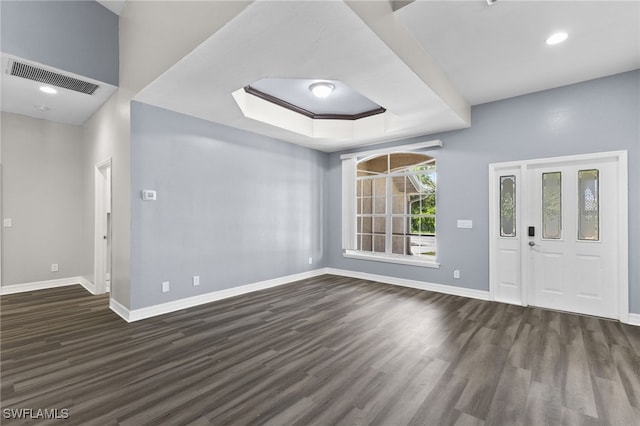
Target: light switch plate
(165, 286)
(465, 223)
(7, 223)
(196, 280)
(148, 195)
(54, 267)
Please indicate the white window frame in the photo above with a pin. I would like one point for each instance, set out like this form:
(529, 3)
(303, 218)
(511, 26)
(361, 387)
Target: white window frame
(349, 175)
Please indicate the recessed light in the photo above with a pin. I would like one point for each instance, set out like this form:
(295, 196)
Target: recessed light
(321, 89)
(47, 89)
(557, 38)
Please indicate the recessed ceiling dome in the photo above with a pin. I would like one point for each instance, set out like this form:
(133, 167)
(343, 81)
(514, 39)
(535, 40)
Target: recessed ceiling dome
(333, 108)
(297, 94)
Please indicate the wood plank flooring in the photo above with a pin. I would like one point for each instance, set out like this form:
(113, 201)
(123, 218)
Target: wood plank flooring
(324, 351)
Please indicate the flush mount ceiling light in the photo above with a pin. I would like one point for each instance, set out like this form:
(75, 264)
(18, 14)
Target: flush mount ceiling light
(41, 107)
(557, 38)
(49, 90)
(321, 89)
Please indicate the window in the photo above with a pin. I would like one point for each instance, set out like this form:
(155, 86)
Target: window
(394, 208)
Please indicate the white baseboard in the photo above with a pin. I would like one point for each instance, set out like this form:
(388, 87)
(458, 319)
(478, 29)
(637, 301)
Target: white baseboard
(42, 285)
(420, 285)
(177, 305)
(634, 319)
(116, 307)
(88, 285)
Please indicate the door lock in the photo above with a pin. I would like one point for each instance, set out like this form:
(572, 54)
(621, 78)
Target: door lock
(532, 243)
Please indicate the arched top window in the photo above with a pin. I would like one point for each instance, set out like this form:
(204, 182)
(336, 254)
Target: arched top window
(396, 205)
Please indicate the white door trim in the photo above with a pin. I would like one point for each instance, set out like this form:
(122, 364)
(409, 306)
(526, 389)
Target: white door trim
(623, 225)
(99, 253)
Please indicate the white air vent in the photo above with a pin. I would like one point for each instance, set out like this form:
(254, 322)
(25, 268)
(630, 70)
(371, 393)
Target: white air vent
(48, 77)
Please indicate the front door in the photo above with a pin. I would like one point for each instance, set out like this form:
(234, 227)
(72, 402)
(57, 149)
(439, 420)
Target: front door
(572, 255)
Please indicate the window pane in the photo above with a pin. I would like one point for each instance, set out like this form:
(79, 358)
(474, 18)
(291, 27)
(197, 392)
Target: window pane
(508, 206)
(588, 205)
(378, 243)
(399, 225)
(399, 204)
(379, 225)
(364, 242)
(379, 205)
(366, 225)
(400, 245)
(552, 205)
(423, 245)
(379, 187)
(366, 187)
(365, 205)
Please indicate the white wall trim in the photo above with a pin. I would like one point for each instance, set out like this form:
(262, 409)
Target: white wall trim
(177, 305)
(399, 259)
(633, 319)
(119, 309)
(42, 285)
(411, 147)
(88, 285)
(420, 285)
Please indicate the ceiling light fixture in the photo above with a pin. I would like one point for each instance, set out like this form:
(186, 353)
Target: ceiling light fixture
(49, 90)
(41, 107)
(557, 38)
(490, 2)
(321, 89)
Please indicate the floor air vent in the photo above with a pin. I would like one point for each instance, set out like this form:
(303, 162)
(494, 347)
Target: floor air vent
(43, 76)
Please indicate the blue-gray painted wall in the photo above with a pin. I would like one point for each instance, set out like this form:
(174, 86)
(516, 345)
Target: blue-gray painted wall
(595, 116)
(232, 207)
(76, 36)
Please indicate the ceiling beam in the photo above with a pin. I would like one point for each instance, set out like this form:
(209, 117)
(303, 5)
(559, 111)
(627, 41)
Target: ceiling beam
(378, 16)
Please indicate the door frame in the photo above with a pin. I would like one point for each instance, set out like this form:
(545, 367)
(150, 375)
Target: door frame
(100, 225)
(523, 212)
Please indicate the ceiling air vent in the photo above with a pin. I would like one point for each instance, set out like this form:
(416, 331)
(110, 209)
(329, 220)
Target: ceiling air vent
(48, 77)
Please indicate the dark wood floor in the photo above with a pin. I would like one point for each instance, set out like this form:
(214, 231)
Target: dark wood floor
(323, 351)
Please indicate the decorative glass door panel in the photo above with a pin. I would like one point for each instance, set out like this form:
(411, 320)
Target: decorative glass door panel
(552, 205)
(588, 207)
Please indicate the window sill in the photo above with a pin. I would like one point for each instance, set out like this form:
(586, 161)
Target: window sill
(402, 260)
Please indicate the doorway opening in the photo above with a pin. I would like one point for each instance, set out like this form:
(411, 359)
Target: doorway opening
(102, 234)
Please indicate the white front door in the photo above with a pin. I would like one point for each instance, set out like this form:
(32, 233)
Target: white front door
(559, 233)
(573, 253)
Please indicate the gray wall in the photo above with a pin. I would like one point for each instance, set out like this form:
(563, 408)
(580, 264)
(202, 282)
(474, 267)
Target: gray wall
(76, 36)
(42, 193)
(106, 135)
(599, 115)
(233, 207)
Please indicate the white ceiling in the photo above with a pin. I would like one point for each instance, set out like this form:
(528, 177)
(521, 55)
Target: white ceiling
(313, 40)
(22, 96)
(486, 52)
(499, 51)
(420, 62)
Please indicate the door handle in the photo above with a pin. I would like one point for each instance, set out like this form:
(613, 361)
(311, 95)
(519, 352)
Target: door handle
(532, 243)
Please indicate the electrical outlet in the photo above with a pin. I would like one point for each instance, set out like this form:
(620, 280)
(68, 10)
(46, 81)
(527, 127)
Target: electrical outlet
(54, 267)
(165, 286)
(7, 223)
(456, 273)
(196, 280)
(310, 260)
